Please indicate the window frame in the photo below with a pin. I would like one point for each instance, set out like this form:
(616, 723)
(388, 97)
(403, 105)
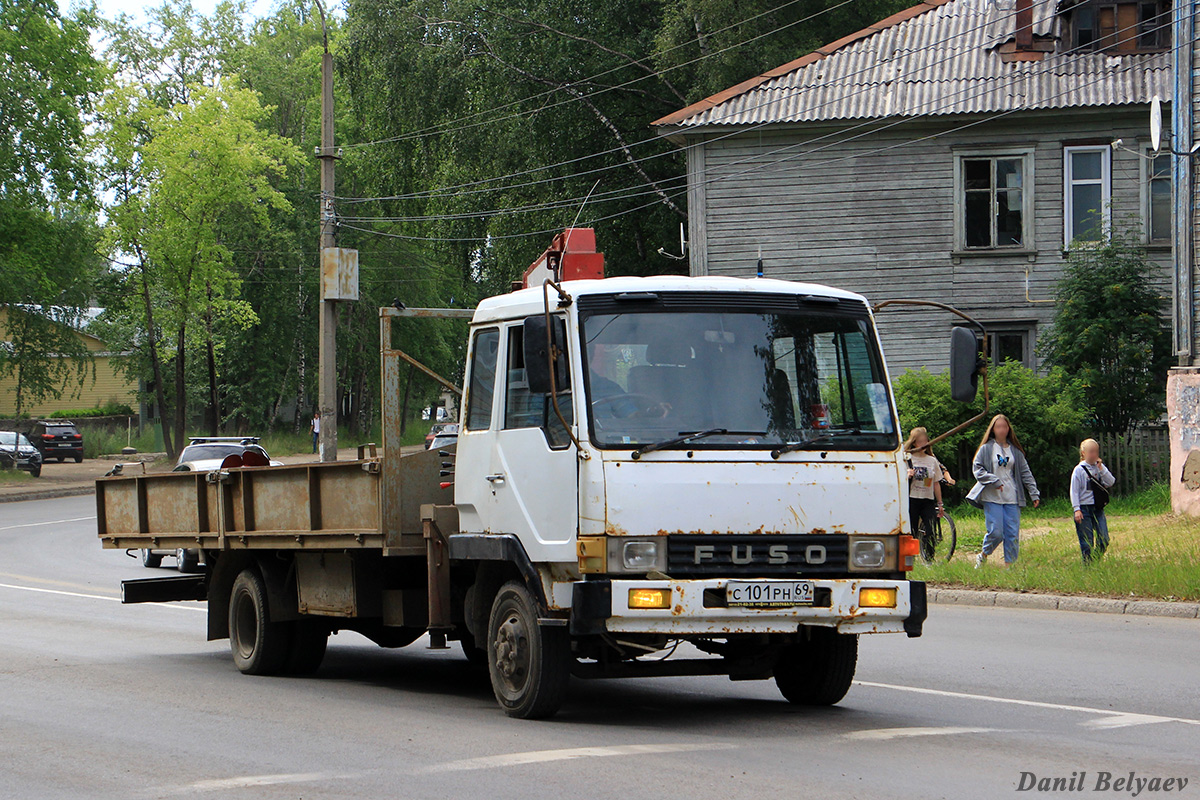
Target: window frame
(1069, 183)
(1147, 177)
(1026, 328)
(566, 397)
(1025, 154)
(497, 385)
(1117, 39)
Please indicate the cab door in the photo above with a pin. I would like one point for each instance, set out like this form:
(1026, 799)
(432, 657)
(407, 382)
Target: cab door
(534, 467)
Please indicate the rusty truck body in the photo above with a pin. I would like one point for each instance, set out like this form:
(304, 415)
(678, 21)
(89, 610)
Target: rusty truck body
(641, 462)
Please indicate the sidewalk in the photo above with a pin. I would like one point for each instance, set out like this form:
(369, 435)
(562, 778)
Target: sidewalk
(70, 479)
(1098, 605)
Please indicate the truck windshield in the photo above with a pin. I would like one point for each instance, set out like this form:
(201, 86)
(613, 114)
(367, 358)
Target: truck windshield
(767, 379)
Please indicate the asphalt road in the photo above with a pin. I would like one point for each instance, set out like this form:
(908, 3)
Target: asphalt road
(100, 700)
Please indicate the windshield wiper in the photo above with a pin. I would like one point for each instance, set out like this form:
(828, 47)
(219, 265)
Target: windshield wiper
(793, 446)
(682, 439)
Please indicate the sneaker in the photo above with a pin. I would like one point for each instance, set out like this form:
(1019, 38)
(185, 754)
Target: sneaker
(980, 560)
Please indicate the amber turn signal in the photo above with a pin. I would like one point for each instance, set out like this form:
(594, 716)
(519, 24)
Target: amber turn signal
(649, 598)
(876, 597)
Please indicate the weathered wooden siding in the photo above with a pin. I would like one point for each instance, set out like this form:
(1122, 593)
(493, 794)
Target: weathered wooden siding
(872, 210)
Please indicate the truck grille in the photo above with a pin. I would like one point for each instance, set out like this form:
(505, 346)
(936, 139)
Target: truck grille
(757, 555)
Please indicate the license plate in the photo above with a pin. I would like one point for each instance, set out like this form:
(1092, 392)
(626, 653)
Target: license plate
(64, 444)
(768, 594)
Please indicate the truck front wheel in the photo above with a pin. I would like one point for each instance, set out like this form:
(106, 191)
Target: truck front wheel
(259, 646)
(819, 671)
(529, 664)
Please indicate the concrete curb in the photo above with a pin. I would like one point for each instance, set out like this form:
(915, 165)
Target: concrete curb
(1095, 605)
(47, 494)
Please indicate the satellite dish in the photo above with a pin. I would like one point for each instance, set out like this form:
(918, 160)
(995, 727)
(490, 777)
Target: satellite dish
(1155, 123)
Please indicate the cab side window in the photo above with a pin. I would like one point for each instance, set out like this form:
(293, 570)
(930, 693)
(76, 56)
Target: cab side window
(523, 409)
(482, 388)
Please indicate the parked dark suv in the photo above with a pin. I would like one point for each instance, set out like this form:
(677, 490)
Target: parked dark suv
(57, 439)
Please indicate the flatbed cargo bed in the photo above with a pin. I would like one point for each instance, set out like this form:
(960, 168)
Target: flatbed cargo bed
(369, 503)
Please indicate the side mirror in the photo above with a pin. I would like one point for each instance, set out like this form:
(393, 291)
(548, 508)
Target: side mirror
(537, 354)
(964, 365)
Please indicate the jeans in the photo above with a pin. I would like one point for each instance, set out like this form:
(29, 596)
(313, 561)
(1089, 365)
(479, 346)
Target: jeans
(1093, 524)
(923, 511)
(316, 436)
(1003, 522)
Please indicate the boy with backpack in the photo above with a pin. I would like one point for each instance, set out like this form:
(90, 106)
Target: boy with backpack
(1090, 482)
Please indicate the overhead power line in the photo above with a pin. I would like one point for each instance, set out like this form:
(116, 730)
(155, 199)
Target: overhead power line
(838, 137)
(714, 178)
(456, 124)
(470, 187)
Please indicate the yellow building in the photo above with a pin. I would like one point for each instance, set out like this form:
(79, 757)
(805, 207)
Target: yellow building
(103, 382)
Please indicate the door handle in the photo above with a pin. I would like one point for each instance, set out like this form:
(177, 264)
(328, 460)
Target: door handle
(495, 479)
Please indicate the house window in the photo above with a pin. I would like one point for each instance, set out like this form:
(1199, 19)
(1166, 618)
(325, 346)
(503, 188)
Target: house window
(993, 208)
(1157, 201)
(1087, 190)
(1009, 342)
(1121, 27)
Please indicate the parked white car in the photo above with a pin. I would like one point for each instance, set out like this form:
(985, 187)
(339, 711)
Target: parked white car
(205, 454)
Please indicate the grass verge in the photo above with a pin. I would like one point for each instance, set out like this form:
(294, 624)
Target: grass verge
(10, 477)
(1153, 554)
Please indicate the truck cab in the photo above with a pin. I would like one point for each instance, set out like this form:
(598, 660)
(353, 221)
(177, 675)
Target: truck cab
(707, 431)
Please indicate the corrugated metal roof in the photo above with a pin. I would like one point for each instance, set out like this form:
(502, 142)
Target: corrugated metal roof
(942, 59)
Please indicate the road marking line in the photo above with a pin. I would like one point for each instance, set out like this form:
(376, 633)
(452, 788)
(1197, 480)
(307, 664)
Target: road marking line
(50, 582)
(51, 522)
(1141, 719)
(1126, 721)
(96, 597)
(887, 734)
(543, 756)
(247, 781)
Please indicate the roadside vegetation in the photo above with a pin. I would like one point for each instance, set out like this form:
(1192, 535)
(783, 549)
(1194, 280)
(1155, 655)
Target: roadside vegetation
(8, 477)
(1153, 553)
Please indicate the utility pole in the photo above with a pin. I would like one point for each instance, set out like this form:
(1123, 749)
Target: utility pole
(327, 353)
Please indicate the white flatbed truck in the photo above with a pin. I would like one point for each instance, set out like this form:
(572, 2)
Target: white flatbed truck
(641, 462)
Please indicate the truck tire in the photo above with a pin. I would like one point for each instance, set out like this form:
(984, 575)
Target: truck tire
(259, 646)
(529, 664)
(818, 672)
(306, 647)
(188, 560)
(150, 560)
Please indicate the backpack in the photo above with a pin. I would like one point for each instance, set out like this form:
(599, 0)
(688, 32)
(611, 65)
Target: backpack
(1100, 495)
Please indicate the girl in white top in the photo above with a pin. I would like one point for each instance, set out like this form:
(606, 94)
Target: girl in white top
(1003, 481)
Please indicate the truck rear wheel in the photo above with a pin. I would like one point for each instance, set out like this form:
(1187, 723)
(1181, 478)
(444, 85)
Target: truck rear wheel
(259, 646)
(306, 647)
(529, 664)
(818, 672)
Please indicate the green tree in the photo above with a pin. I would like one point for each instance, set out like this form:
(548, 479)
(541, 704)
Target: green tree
(184, 176)
(48, 259)
(1110, 331)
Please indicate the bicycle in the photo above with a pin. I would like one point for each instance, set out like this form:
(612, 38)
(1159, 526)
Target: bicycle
(932, 540)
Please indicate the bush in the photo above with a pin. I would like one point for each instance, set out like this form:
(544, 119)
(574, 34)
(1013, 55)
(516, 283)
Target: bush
(110, 409)
(1048, 412)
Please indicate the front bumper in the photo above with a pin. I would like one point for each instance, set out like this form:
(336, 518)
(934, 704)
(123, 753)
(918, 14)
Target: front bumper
(696, 608)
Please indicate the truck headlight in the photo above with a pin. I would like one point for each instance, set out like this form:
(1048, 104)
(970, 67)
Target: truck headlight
(636, 555)
(872, 554)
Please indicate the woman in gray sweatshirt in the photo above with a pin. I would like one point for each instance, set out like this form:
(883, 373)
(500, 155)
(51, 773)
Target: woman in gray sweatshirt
(1003, 481)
